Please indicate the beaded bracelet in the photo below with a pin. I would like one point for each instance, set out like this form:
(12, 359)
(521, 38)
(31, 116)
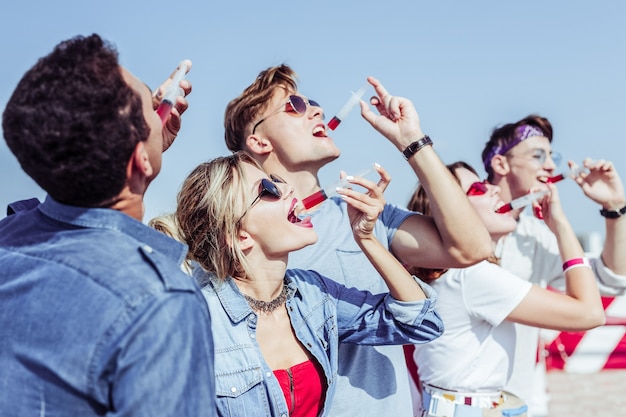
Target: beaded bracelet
(575, 263)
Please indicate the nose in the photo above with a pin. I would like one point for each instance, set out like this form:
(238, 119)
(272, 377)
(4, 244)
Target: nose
(495, 189)
(550, 164)
(286, 189)
(316, 111)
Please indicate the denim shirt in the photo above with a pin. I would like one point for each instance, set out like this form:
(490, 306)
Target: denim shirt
(323, 313)
(97, 318)
(380, 388)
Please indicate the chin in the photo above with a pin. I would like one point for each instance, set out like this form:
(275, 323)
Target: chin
(307, 239)
(330, 158)
(312, 240)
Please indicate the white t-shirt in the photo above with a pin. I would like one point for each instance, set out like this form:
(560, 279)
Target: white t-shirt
(475, 352)
(531, 253)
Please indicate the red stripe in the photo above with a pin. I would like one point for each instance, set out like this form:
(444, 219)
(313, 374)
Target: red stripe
(617, 358)
(411, 365)
(569, 341)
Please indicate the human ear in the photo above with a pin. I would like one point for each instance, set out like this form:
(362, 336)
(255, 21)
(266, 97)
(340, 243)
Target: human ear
(258, 145)
(141, 160)
(245, 241)
(500, 165)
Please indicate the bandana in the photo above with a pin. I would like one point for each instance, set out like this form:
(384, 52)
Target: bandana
(522, 133)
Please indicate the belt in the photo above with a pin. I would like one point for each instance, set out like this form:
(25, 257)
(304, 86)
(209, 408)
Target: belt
(475, 399)
(438, 402)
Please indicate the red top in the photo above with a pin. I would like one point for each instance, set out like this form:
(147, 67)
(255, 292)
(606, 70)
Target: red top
(303, 387)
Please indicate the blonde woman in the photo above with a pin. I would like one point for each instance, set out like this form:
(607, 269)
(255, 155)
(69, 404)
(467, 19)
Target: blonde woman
(277, 330)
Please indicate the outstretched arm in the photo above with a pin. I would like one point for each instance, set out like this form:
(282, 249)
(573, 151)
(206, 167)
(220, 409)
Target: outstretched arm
(454, 236)
(580, 308)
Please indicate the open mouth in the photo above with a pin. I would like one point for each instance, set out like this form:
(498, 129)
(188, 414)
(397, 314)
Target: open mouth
(292, 216)
(320, 131)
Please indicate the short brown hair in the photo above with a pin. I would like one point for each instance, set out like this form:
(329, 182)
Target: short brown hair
(243, 110)
(505, 135)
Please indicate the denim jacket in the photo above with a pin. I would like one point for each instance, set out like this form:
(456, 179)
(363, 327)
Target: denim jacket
(323, 313)
(96, 318)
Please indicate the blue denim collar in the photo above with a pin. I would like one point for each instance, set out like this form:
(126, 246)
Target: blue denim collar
(235, 306)
(104, 218)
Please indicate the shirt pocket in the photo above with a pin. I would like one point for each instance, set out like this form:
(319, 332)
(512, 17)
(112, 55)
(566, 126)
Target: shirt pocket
(237, 382)
(242, 393)
(358, 272)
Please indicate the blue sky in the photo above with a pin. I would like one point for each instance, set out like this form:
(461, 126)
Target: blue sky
(467, 66)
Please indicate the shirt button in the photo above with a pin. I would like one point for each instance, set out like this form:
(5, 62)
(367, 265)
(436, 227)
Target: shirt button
(233, 389)
(147, 248)
(252, 336)
(269, 374)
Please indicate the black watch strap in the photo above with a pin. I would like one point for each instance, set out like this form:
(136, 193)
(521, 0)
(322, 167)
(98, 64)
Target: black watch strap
(613, 214)
(413, 148)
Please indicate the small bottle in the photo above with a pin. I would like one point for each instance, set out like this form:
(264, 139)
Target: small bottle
(173, 91)
(327, 192)
(572, 173)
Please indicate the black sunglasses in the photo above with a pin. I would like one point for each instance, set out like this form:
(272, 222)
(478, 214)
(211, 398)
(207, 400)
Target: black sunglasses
(266, 188)
(296, 104)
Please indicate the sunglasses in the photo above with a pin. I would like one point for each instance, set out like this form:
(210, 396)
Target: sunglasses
(266, 188)
(477, 188)
(296, 104)
(540, 155)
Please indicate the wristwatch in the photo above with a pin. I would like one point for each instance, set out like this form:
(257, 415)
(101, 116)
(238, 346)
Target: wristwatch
(413, 148)
(613, 214)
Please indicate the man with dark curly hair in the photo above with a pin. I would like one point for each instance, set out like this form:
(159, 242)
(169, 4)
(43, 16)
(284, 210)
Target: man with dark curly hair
(97, 317)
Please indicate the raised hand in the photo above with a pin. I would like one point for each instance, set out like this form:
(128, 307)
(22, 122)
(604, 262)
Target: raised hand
(397, 120)
(364, 208)
(172, 124)
(602, 183)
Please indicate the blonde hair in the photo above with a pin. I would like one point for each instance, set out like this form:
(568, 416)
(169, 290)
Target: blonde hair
(168, 225)
(210, 204)
(242, 111)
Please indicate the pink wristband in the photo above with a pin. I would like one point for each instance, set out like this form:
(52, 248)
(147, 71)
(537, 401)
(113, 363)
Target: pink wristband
(575, 263)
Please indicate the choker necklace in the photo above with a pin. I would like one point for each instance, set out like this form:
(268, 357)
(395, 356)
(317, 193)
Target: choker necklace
(268, 306)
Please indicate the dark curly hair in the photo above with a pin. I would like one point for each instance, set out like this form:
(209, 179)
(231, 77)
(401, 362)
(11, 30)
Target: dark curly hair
(73, 122)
